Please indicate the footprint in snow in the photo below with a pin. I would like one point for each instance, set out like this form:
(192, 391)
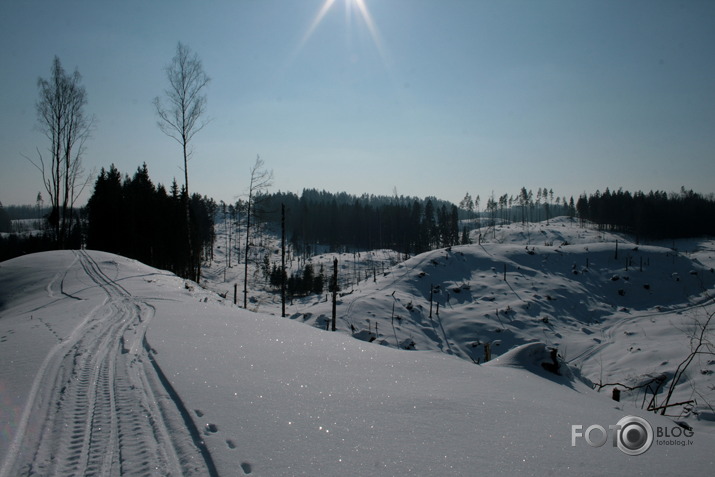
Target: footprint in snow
(247, 468)
(211, 428)
(230, 444)
(199, 412)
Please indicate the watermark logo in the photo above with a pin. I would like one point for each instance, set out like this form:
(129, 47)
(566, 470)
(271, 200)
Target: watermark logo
(632, 435)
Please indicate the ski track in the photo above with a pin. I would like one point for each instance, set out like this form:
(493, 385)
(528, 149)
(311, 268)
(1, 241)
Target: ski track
(99, 405)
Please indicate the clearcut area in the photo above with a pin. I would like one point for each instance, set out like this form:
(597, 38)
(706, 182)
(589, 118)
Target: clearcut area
(110, 367)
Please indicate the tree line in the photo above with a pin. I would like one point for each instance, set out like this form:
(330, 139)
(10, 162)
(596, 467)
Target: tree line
(337, 221)
(132, 217)
(526, 206)
(27, 229)
(655, 215)
(5, 222)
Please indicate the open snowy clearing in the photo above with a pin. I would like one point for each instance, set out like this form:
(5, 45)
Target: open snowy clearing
(114, 368)
(619, 312)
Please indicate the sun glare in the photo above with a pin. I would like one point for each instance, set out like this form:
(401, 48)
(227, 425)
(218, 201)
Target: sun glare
(316, 21)
(350, 7)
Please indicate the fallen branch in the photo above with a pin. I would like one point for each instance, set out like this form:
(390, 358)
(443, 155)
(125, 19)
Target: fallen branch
(701, 342)
(665, 406)
(658, 379)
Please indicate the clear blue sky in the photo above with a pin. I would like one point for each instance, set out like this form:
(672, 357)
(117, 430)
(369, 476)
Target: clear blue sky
(429, 97)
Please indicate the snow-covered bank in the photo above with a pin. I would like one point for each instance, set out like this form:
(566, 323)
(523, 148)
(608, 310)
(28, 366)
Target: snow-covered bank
(618, 311)
(270, 396)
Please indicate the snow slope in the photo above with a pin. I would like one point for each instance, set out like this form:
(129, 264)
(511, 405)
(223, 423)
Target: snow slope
(110, 367)
(617, 311)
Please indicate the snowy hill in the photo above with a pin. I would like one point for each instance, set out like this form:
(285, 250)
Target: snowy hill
(111, 367)
(616, 311)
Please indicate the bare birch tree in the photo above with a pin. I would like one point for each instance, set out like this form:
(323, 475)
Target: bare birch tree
(261, 179)
(61, 118)
(181, 112)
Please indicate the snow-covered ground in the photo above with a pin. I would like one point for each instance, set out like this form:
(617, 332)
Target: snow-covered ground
(111, 367)
(617, 311)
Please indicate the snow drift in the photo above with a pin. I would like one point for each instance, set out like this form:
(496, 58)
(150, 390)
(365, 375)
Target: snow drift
(229, 391)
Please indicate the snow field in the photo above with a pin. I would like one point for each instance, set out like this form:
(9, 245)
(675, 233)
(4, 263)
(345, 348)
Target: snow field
(206, 388)
(613, 321)
(285, 399)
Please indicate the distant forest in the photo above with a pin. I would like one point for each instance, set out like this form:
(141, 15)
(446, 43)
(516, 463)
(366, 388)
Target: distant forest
(656, 215)
(133, 217)
(409, 225)
(342, 221)
(24, 229)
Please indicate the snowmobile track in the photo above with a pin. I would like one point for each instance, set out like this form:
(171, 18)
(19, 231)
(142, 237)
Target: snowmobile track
(102, 405)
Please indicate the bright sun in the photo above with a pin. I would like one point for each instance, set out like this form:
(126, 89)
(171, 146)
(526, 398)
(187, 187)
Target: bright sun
(350, 6)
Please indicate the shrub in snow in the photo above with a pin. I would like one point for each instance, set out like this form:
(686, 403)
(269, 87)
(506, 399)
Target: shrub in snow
(407, 344)
(365, 335)
(553, 366)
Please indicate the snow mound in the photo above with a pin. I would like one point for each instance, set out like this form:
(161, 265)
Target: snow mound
(541, 360)
(531, 356)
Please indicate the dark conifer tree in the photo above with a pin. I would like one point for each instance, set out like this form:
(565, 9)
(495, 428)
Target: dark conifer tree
(430, 224)
(144, 222)
(454, 226)
(106, 212)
